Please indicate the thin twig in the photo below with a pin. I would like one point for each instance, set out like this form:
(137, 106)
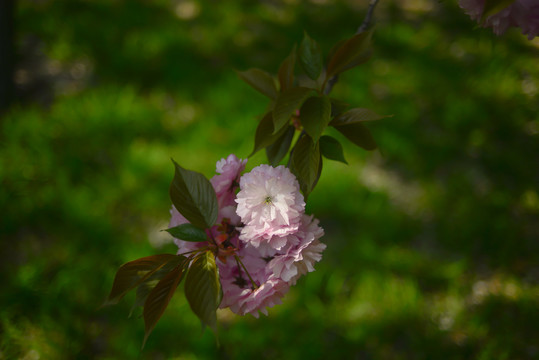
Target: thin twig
(366, 21)
(194, 251)
(362, 28)
(238, 261)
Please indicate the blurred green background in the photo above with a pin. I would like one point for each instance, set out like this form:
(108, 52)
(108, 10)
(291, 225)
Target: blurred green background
(432, 240)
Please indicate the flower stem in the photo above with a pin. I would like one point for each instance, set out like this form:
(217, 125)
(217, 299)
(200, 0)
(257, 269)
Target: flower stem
(238, 261)
(195, 251)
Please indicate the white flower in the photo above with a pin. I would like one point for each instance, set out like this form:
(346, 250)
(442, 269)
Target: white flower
(269, 204)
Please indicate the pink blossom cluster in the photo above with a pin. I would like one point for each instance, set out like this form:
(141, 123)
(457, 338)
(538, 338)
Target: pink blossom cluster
(521, 13)
(265, 239)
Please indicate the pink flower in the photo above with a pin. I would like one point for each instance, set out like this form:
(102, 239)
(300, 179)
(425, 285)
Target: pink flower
(278, 243)
(521, 13)
(526, 15)
(269, 205)
(239, 292)
(227, 181)
(266, 295)
(229, 212)
(299, 259)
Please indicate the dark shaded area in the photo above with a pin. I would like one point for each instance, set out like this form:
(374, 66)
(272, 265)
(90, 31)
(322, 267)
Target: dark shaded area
(7, 9)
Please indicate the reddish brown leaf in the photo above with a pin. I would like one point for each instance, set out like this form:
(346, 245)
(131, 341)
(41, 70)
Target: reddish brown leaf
(159, 298)
(135, 272)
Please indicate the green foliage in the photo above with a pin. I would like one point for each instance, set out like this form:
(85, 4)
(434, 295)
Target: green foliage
(331, 148)
(359, 134)
(261, 81)
(286, 72)
(310, 56)
(315, 115)
(156, 277)
(306, 163)
(188, 232)
(311, 114)
(203, 289)
(356, 115)
(146, 287)
(278, 150)
(193, 196)
(287, 103)
(492, 7)
(159, 298)
(264, 135)
(349, 53)
(136, 272)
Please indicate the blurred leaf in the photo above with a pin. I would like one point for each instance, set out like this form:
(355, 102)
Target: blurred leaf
(278, 150)
(159, 297)
(144, 289)
(356, 115)
(287, 103)
(310, 57)
(350, 53)
(264, 135)
(194, 197)
(203, 289)
(315, 115)
(320, 165)
(133, 273)
(188, 232)
(338, 107)
(305, 163)
(332, 148)
(334, 49)
(492, 7)
(286, 71)
(261, 81)
(359, 135)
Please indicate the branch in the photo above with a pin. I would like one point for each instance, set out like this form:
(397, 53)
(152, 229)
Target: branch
(366, 21)
(362, 28)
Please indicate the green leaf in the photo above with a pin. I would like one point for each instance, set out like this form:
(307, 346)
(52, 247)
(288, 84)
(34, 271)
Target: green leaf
(315, 115)
(356, 115)
(286, 71)
(193, 196)
(338, 107)
(350, 53)
(203, 289)
(331, 148)
(494, 6)
(359, 135)
(158, 299)
(133, 273)
(277, 151)
(188, 232)
(144, 289)
(287, 103)
(310, 57)
(264, 135)
(305, 163)
(261, 81)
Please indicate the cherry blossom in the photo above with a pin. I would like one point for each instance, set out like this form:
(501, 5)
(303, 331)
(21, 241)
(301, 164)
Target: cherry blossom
(269, 204)
(521, 13)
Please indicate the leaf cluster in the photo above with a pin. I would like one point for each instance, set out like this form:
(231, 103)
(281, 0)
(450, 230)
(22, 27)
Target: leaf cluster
(156, 277)
(300, 103)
